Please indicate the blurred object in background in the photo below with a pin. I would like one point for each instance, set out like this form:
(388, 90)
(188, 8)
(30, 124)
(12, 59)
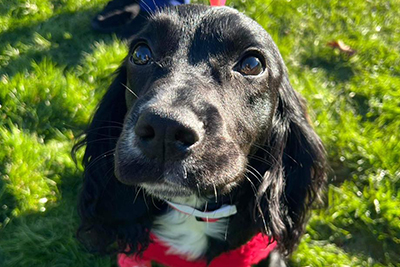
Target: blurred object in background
(124, 17)
(339, 44)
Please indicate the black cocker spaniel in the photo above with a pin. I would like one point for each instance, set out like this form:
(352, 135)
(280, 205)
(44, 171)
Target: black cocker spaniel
(201, 117)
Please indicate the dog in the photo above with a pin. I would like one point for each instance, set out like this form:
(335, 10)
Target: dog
(200, 146)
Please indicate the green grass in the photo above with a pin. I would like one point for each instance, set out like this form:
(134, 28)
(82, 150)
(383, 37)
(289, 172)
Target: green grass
(54, 69)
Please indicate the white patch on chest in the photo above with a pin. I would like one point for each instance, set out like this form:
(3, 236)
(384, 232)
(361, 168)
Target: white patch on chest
(185, 235)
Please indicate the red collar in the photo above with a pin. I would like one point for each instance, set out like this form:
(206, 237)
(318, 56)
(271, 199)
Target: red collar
(252, 252)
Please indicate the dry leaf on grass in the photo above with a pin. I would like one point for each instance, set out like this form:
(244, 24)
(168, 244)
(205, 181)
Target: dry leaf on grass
(342, 47)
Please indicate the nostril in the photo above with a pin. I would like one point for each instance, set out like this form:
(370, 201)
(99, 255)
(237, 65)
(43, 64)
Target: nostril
(145, 132)
(186, 137)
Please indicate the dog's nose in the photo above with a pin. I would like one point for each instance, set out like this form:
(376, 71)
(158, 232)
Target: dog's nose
(162, 137)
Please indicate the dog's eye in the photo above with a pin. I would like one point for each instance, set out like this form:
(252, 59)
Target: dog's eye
(141, 55)
(250, 65)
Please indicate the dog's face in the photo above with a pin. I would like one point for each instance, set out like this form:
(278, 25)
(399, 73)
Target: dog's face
(207, 108)
(200, 96)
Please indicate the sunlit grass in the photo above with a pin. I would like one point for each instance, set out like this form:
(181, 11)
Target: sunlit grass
(54, 69)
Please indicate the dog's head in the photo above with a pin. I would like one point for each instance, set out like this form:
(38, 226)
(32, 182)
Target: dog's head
(201, 106)
(202, 93)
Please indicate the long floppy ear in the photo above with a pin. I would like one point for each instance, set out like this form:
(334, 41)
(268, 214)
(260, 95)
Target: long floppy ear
(297, 171)
(109, 210)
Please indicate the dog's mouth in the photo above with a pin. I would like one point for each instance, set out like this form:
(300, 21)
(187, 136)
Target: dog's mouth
(182, 186)
(179, 179)
(166, 191)
(191, 175)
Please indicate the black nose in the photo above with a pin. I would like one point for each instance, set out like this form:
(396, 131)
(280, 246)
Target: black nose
(162, 137)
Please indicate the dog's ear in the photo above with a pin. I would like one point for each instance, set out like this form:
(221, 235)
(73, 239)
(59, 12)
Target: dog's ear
(296, 172)
(109, 210)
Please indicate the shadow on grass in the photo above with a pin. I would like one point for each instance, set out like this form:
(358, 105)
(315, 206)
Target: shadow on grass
(8, 201)
(375, 244)
(335, 68)
(376, 239)
(63, 38)
(48, 238)
(5, 6)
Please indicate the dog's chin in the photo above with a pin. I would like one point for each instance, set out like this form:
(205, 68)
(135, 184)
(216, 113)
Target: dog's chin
(166, 191)
(184, 195)
(177, 180)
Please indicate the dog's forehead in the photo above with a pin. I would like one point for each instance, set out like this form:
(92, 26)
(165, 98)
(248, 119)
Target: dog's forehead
(202, 28)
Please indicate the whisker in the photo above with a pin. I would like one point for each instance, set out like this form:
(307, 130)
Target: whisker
(257, 204)
(104, 127)
(264, 10)
(109, 178)
(184, 173)
(101, 139)
(253, 187)
(137, 194)
(257, 172)
(146, 7)
(145, 201)
(130, 90)
(154, 204)
(157, 63)
(215, 193)
(260, 159)
(198, 189)
(156, 6)
(108, 121)
(101, 156)
(226, 229)
(255, 175)
(262, 217)
(269, 153)
(278, 163)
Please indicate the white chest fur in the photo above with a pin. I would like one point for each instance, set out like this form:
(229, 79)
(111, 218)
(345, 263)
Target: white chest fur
(185, 235)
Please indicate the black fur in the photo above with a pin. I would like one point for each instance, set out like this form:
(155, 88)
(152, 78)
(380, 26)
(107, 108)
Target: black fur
(255, 143)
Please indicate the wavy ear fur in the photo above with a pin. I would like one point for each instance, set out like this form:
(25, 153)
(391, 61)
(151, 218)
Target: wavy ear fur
(109, 210)
(297, 171)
